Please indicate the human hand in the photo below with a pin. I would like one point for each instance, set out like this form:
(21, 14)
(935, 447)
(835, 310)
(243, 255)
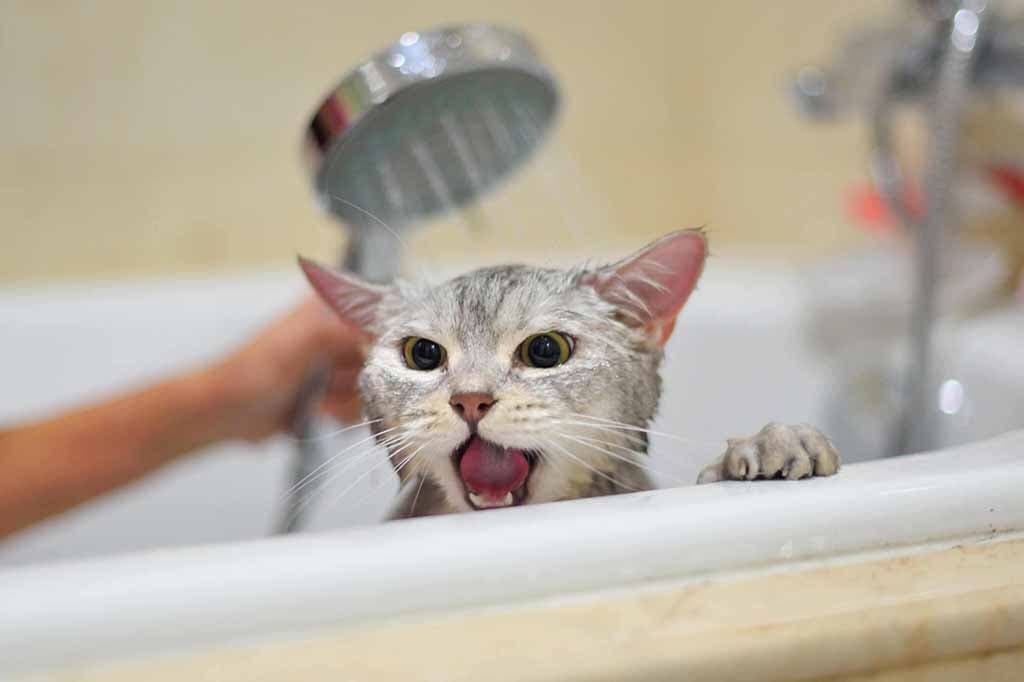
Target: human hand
(260, 382)
(55, 464)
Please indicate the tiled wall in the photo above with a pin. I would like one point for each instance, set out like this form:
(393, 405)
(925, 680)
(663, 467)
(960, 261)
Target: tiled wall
(158, 138)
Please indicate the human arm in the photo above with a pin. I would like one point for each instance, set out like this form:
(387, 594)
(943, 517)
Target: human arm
(52, 465)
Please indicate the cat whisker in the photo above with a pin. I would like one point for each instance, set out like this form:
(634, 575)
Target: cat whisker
(325, 464)
(416, 498)
(565, 451)
(405, 462)
(688, 451)
(629, 433)
(336, 475)
(351, 461)
(555, 464)
(380, 222)
(630, 436)
(331, 434)
(401, 465)
(372, 449)
(630, 427)
(595, 444)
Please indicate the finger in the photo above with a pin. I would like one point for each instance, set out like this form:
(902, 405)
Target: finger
(346, 409)
(798, 465)
(326, 333)
(712, 473)
(740, 460)
(824, 456)
(345, 347)
(334, 326)
(344, 380)
(781, 451)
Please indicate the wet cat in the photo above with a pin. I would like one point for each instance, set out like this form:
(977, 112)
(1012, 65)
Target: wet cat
(517, 385)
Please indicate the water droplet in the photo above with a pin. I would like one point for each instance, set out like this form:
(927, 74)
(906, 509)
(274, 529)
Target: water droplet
(951, 396)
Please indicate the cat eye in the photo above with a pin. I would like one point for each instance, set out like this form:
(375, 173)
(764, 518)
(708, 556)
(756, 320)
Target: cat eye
(545, 350)
(423, 353)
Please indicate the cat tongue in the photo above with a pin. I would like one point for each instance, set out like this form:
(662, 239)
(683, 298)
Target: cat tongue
(492, 471)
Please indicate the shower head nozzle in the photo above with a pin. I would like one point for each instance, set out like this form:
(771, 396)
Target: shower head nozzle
(429, 124)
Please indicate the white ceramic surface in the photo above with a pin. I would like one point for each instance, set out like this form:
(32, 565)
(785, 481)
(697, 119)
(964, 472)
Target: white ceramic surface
(174, 599)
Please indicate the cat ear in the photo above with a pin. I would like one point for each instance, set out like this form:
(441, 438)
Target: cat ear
(354, 300)
(650, 287)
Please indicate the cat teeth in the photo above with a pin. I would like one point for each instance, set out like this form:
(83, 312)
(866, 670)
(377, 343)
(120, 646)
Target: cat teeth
(482, 503)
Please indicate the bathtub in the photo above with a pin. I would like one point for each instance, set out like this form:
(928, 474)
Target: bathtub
(739, 336)
(190, 588)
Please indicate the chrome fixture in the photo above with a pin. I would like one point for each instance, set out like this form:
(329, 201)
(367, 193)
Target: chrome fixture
(939, 53)
(427, 125)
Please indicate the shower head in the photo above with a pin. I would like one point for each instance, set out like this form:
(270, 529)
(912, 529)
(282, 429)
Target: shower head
(429, 124)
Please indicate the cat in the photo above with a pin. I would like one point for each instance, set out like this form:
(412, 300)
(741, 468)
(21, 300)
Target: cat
(518, 385)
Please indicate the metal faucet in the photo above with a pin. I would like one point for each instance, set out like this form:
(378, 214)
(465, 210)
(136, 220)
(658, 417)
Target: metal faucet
(939, 53)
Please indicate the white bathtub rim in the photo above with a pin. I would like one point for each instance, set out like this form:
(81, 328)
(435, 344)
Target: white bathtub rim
(149, 603)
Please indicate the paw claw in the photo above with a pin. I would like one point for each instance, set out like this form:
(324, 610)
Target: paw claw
(741, 460)
(776, 451)
(797, 468)
(710, 474)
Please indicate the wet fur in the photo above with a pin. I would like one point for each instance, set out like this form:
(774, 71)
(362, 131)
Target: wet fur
(481, 318)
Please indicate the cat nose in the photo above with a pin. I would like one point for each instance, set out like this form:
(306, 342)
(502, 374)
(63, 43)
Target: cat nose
(472, 406)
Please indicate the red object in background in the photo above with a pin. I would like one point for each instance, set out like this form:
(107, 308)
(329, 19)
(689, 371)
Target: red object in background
(871, 211)
(866, 205)
(1010, 179)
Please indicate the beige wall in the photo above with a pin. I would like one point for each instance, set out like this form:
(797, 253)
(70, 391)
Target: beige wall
(154, 138)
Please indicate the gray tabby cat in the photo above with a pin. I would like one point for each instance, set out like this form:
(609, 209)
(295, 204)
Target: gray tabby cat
(517, 385)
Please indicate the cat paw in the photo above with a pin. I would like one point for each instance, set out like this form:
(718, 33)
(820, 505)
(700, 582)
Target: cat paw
(776, 451)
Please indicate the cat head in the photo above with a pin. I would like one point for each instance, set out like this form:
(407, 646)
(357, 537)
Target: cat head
(515, 384)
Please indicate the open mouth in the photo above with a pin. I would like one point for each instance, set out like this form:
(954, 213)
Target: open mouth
(493, 476)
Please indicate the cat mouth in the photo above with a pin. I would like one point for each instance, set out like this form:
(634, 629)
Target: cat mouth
(493, 476)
